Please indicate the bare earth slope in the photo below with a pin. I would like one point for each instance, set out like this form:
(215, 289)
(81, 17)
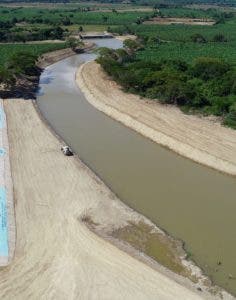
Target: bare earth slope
(57, 256)
(200, 139)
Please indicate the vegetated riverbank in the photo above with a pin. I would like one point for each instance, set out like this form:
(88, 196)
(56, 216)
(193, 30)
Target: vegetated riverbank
(26, 86)
(52, 57)
(73, 261)
(201, 139)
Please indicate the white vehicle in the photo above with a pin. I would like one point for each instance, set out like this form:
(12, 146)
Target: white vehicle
(67, 151)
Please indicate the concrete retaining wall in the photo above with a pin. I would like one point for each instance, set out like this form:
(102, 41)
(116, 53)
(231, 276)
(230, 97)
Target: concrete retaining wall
(7, 215)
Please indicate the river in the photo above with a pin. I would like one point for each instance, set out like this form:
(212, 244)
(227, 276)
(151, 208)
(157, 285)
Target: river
(190, 201)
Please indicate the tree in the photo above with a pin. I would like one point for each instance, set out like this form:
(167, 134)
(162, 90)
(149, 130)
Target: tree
(22, 63)
(132, 46)
(198, 38)
(220, 38)
(6, 77)
(139, 21)
(121, 55)
(3, 36)
(104, 18)
(19, 37)
(74, 43)
(153, 41)
(66, 21)
(105, 52)
(209, 68)
(58, 33)
(230, 118)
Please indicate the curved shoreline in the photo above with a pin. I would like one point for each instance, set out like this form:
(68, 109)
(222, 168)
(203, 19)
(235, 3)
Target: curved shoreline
(160, 128)
(72, 251)
(78, 163)
(194, 278)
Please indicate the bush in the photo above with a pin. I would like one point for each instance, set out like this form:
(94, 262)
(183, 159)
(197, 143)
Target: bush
(6, 77)
(219, 38)
(23, 63)
(209, 68)
(198, 38)
(230, 118)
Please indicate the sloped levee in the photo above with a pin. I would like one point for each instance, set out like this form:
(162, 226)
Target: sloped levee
(57, 256)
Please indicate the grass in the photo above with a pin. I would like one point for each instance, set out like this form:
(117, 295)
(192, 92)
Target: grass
(189, 51)
(185, 12)
(156, 245)
(7, 50)
(177, 42)
(75, 16)
(182, 33)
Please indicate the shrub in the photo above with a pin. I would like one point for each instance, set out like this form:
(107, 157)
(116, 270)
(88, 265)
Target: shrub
(219, 38)
(198, 38)
(23, 63)
(230, 118)
(207, 68)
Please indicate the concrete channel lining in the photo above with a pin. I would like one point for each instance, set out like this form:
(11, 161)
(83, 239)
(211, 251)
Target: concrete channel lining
(7, 214)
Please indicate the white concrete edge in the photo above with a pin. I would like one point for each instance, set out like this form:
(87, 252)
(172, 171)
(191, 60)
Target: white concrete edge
(11, 227)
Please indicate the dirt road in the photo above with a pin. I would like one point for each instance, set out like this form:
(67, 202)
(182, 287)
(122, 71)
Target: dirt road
(56, 256)
(203, 140)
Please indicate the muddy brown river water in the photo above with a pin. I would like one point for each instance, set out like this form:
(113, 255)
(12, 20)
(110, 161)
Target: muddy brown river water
(189, 201)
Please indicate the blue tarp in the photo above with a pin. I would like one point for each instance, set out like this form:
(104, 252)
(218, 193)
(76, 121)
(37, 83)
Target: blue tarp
(3, 223)
(2, 151)
(1, 118)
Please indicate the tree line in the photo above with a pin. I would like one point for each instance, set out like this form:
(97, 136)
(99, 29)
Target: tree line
(35, 34)
(208, 85)
(19, 64)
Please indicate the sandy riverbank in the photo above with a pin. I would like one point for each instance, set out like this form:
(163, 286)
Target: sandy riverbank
(126, 37)
(200, 139)
(57, 256)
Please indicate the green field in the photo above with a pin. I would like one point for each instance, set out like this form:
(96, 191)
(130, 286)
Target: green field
(71, 16)
(182, 33)
(38, 49)
(187, 12)
(189, 51)
(175, 41)
(179, 32)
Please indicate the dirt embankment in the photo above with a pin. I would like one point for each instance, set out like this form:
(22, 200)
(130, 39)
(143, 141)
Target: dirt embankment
(54, 56)
(186, 21)
(126, 37)
(203, 140)
(57, 256)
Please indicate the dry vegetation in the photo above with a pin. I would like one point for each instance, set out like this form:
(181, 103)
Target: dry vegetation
(186, 21)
